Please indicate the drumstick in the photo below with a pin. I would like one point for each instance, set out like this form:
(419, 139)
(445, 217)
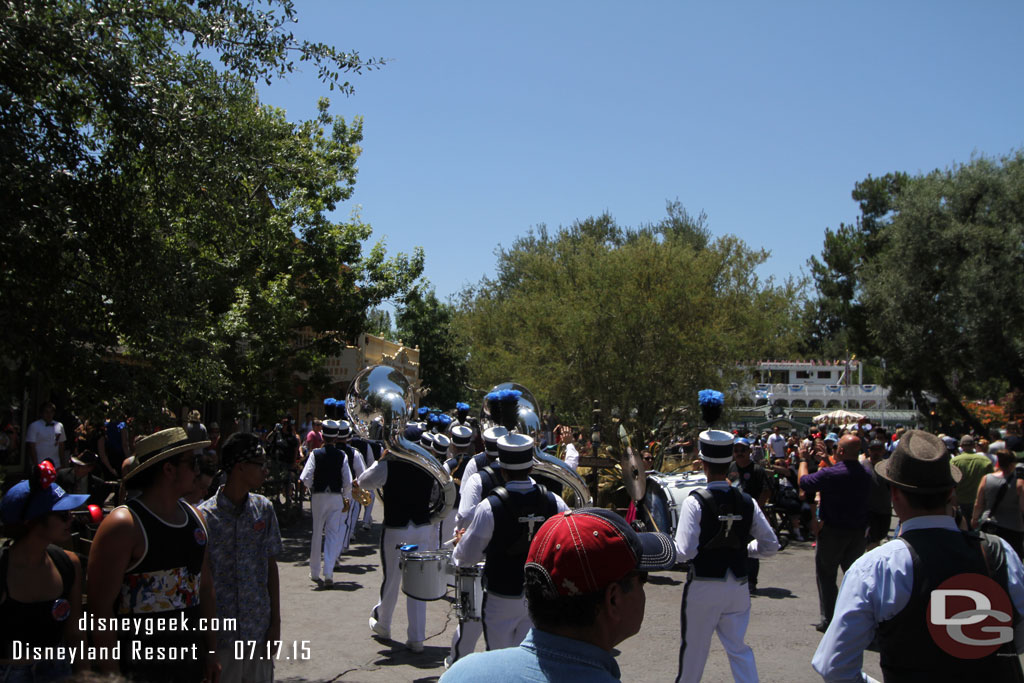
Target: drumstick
(650, 516)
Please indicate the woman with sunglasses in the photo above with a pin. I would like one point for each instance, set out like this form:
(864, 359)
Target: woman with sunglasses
(40, 583)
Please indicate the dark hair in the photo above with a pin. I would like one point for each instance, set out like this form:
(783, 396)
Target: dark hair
(550, 611)
(718, 469)
(149, 476)
(19, 530)
(926, 501)
(1006, 458)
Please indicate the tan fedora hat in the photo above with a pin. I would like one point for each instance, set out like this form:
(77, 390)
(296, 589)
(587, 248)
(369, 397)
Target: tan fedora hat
(157, 447)
(921, 463)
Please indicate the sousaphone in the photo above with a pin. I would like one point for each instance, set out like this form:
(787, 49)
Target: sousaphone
(382, 393)
(547, 469)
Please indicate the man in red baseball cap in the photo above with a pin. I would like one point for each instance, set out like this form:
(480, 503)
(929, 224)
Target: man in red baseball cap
(585, 576)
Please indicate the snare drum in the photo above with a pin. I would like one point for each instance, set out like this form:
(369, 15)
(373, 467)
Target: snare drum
(424, 573)
(469, 592)
(665, 495)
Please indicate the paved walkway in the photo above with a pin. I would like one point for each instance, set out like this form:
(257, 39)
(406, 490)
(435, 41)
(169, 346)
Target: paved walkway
(333, 622)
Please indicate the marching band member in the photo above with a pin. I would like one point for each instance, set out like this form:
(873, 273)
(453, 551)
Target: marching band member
(716, 525)
(356, 466)
(329, 479)
(372, 451)
(406, 492)
(502, 527)
(472, 483)
(462, 442)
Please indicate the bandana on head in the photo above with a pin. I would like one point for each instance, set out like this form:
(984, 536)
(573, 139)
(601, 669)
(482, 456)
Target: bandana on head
(249, 450)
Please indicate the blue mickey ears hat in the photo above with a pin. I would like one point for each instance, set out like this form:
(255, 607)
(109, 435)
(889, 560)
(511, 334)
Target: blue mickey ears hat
(37, 496)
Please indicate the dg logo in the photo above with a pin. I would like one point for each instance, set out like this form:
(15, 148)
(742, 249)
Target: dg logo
(969, 616)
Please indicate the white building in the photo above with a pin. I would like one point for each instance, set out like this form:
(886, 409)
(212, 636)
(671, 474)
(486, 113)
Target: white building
(799, 390)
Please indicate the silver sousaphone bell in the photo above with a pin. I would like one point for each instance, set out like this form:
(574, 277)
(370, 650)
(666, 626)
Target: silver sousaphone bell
(547, 469)
(382, 393)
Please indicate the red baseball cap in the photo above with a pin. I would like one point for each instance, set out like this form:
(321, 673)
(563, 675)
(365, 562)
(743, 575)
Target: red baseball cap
(583, 551)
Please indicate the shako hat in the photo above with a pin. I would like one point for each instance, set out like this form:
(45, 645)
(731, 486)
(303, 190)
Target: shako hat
(515, 452)
(716, 446)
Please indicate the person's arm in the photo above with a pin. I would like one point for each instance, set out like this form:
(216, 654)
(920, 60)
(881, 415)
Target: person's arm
(306, 477)
(560, 504)
(1020, 493)
(765, 542)
(375, 476)
(979, 503)
(109, 557)
(208, 612)
(469, 500)
(688, 531)
(874, 590)
(766, 492)
(470, 548)
(274, 590)
(72, 635)
(572, 457)
(346, 482)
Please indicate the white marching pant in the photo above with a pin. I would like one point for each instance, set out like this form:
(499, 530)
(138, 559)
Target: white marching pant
(505, 621)
(426, 538)
(709, 607)
(368, 512)
(464, 639)
(350, 524)
(328, 527)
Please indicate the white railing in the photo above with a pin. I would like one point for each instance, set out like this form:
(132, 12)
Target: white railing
(821, 392)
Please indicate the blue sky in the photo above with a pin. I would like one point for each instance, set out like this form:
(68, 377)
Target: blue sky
(494, 117)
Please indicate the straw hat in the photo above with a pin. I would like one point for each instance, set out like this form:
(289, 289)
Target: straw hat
(156, 448)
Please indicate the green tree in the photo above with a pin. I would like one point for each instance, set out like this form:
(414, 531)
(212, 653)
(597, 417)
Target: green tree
(639, 319)
(425, 321)
(942, 291)
(165, 235)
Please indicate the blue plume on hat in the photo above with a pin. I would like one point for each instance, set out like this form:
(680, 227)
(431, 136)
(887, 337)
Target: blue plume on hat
(444, 420)
(434, 421)
(711, 403)
(508, 408)
(462, 410)
(422, 412)
(330, 408)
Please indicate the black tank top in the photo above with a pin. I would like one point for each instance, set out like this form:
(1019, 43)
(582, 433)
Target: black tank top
(37, 623)
(164, 583)
(166, 579)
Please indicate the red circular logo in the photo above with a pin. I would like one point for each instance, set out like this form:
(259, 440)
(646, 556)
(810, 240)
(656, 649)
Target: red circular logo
(970, 616)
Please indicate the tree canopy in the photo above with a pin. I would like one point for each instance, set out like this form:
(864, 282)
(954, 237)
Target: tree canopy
(427, 322)
(640, 319)
(930, 277)
(165, 234)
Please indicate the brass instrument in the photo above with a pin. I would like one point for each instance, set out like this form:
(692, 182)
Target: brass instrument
(546, 468)
(383, 392)
(362, 496)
